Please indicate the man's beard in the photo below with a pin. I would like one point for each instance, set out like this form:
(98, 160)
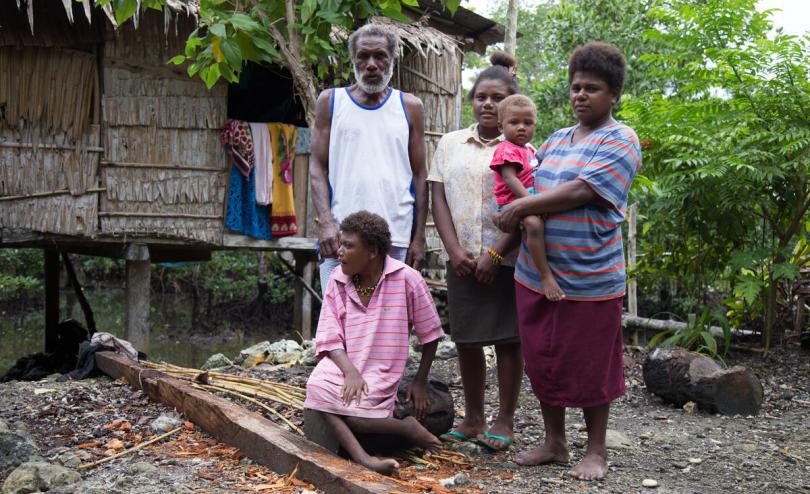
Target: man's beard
(374, 88)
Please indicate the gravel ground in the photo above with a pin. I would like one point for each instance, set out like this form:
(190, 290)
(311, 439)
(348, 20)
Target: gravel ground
(681, 451)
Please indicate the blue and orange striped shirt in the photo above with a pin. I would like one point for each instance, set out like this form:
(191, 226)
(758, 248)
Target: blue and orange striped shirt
(584, 245)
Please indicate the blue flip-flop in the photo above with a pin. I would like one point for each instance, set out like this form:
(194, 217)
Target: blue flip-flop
(454, 437)
(506, 442)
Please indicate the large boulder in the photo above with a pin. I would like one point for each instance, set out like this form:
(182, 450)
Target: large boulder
(279, 352)
(216, 361)
(38, 476)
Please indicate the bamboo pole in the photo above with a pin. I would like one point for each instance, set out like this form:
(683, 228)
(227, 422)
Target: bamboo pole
(160, 215)
(37, 195)
(162, 166)
(29, 145)
(130, 450)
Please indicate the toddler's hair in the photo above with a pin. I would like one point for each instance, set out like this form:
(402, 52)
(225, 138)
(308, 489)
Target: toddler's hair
(371, 228)
(515, 101)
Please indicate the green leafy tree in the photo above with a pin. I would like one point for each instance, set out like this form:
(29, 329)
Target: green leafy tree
(303, 36)
(728, 142)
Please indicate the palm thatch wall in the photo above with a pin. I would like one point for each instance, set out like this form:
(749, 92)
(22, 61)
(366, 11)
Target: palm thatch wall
(163, 169)
(49, 140)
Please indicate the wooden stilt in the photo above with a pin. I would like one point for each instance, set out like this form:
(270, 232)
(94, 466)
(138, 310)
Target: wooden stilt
(137, 296)
(302, 314)
(51, 300)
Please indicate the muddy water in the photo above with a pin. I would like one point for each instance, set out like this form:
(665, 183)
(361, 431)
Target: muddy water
(172, 339)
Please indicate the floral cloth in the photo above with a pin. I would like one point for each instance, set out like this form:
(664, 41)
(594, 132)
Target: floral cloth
(238, 144)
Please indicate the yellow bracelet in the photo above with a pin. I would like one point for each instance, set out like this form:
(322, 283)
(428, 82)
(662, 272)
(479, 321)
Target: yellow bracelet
(496, 258)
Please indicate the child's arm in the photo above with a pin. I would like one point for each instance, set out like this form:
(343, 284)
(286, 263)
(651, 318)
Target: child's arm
(417, 391)
(509, 172)
(354, 386)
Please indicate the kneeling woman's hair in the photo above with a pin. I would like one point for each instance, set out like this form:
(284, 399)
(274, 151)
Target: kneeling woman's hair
(371, 228)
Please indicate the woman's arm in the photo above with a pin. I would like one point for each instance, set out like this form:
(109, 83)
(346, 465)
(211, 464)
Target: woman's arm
(354, 386)
(486, 269)
(463, 262)
(565, 197)
(417, 391)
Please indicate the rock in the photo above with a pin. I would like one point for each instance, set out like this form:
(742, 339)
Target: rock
(181, 489)
(695, 461)
(446, 350)
(38, 476)
(617, 440)
(142, 467)
(689, 407)
(281, 351)
(680, 464)
(4, 427)
(650, 483)
(15, 449)
(70, 459)
(440, 413)
(307, 344)
(164, 423)
(458, 480)
(414, 356)
(308, 357)
(415, 344)
(216, 361)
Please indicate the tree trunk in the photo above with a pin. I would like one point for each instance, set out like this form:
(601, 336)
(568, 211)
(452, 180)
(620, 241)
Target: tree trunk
(679, 376)
(510, 38)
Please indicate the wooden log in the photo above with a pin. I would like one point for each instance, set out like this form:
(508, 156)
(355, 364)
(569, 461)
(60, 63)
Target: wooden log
(679, 376)
(257, 437)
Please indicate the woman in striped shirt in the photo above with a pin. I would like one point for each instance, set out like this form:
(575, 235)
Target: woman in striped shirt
(371, 302)
(573, 347)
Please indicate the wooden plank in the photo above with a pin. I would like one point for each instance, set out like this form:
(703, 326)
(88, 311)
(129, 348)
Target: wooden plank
(236, 241)
(301, 191)
(137, 297)
(257, 437)
(302, 311)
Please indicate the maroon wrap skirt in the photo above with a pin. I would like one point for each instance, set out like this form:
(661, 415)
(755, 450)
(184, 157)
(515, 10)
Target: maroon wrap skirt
(572, 350)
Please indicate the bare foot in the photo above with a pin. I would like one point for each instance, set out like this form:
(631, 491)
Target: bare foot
(421, 436)
(592, 467)
(552, 290)
(385, 466)
(547, 453)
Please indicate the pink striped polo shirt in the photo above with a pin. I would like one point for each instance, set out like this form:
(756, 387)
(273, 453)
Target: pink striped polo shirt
(375, 338)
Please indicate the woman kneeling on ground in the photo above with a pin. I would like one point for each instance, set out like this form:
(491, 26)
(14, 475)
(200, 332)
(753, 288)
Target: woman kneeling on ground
(371, 302)
(573, 347)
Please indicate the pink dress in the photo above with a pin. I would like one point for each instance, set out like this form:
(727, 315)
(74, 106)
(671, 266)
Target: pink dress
(375, 338)
(523, 157)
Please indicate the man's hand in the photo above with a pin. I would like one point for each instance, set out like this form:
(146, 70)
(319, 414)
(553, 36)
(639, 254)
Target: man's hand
(354, 388)
(416, 254)
(329, 237)
(417, 394)
(485, 270)
(463, 263)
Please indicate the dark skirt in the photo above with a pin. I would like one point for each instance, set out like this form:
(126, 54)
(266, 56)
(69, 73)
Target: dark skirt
(482, 314)
(573, 350)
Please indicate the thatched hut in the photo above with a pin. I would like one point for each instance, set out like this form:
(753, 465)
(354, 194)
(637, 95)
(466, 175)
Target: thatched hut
(107, 150)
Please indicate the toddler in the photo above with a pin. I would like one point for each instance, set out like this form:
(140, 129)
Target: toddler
(514, 178)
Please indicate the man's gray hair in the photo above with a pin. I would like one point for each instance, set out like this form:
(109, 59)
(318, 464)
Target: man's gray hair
(375, 30)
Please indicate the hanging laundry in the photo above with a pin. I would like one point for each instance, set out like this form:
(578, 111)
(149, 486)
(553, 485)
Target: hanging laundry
(264, 163)
(238, 144)
(242, 214)
(282, 214)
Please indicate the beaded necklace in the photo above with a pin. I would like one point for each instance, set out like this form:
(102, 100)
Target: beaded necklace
(363, 291)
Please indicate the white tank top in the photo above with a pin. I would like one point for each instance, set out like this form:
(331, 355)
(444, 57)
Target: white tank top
(369, 165)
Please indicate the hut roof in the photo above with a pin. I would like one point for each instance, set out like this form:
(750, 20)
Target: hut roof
(188, 7)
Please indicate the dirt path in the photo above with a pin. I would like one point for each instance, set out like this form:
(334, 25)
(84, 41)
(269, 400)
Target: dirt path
(682, 452)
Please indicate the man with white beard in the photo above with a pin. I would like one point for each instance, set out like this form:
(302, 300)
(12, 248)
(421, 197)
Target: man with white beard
(368, 153)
